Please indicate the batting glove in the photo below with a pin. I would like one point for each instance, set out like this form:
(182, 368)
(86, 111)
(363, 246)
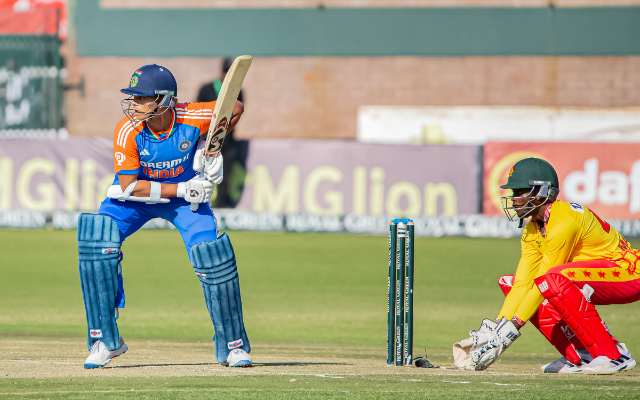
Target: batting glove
(213, 169)
(209, 167)
(198, 157)
(195, 191)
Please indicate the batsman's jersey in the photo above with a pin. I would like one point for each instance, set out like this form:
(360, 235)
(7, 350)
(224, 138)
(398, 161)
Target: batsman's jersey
(161, 156)
(573, 233)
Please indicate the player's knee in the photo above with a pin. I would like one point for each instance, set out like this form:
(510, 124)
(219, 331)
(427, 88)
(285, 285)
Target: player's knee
(98, 237)
(552, 283)
(506, 283)
(214, 261)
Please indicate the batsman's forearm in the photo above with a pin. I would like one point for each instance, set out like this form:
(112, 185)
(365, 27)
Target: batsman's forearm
(143, 189)
(238, 110)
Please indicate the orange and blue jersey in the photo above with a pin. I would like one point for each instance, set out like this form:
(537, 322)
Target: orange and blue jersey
(161, 156)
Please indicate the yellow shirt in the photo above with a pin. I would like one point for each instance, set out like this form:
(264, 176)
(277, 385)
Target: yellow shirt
(573, 233)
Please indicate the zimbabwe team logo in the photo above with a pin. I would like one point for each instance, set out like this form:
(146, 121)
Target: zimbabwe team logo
(134, 81)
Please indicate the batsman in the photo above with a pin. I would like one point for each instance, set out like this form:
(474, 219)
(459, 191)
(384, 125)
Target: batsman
(571, 261)
(161, 172)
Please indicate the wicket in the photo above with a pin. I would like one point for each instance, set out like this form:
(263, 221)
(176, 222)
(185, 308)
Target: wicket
(400, 293)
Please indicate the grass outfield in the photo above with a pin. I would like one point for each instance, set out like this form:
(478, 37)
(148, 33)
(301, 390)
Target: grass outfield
(321, 292)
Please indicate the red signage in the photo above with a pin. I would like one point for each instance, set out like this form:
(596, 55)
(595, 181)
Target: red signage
(33, 17)
(602, 176)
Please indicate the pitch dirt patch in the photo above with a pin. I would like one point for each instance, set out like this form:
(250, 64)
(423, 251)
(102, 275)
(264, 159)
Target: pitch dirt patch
(34, 356)
(36, 367)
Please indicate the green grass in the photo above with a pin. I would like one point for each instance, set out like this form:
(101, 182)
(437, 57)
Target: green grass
(296, 288)
(313, 387)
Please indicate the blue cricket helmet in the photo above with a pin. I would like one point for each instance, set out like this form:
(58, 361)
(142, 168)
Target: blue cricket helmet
(152, 80)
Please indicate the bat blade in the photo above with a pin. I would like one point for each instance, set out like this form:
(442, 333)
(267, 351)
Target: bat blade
(224, 105)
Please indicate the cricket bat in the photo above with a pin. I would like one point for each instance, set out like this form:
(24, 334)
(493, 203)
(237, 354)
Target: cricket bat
(224, 107)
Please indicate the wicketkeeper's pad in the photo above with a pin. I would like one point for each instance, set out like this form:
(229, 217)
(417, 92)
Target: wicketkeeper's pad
(215, 265)
(98, 250)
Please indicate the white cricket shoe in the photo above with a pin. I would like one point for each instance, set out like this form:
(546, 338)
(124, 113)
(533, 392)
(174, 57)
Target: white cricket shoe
(606, 366)
(101, 356)
(564, 366)
(561, 366)
(238, 358)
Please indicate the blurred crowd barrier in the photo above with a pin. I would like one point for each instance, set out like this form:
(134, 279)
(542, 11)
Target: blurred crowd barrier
(478, 124)
(335, 186)
(31, 90)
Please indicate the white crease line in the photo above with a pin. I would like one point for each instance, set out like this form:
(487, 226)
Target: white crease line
(37, 362)
(485, 373)
(503, 384)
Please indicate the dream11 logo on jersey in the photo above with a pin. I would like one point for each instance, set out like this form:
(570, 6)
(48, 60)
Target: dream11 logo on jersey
(610, 188)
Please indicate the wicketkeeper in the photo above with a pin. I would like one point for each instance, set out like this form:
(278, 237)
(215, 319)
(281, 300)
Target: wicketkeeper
(571, 261)
(157, 161)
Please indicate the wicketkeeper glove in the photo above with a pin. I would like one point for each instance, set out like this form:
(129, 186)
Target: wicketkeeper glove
(477, 339)
(505, 334)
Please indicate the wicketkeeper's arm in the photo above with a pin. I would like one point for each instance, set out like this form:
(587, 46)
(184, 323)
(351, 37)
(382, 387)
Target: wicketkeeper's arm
(528, 268)
(522, 285)
(561, 239)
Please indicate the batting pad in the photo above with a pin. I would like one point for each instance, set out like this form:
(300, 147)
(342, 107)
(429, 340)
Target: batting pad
(215, 265)
(98, 250)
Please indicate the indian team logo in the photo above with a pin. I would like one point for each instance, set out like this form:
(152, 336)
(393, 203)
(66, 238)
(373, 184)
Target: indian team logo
(184, 145)
(134, 81)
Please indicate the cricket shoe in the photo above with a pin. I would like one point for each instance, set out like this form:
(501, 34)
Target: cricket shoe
(238, 358)
(564, 366)
(606, 366)
(101, 356)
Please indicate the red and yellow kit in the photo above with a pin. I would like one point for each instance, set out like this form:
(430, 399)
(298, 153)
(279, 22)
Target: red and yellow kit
(576, 243)
(161, 156)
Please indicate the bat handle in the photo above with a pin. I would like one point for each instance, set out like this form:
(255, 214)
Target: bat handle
(194, 206)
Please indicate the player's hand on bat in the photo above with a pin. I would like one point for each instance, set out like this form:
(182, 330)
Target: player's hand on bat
(195, 191)
(210, 167)
(214, 169)
(198, 158)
